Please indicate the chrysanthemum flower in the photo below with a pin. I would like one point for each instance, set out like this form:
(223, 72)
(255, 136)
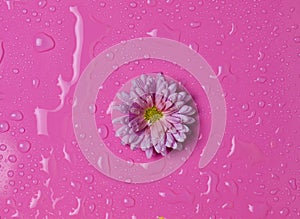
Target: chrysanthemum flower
(156, 115)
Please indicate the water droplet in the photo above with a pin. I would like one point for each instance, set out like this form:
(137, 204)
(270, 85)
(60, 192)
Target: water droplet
(284, 211)
(293, 183)
(42, 3)
(92, 108)
(15, 71)
(10, 173)
(261, 104)
(195, 24)
(52, 9)
(43, 42)
(245, 106)
(128, 202)
(4, 126)
(151, 2)
(3, 147)
(12, 158)
(102, 4)
(260, 80)
(89, 178)
(110, 55)
(35, 83)
(24, 146)
(133, 4)
(192, 8)
(297, 39)
(103, 131)
(16, 116)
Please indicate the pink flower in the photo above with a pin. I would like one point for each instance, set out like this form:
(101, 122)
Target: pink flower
(156, 115)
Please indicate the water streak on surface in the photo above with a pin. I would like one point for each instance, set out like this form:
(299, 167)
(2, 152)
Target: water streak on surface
(42, 114)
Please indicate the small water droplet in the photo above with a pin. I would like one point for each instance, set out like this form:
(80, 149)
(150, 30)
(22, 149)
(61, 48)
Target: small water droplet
(10, 173)
(24, 146)
(195, 24)
(151, 2)
(52, 8)
(103, 131)
(92, 108)
(133, 4)
(260, 80)
(245, 106)
(15, 71)
(284, 211)
(192, 8)
(110, 55)
(102, 4)
(12, 158)
(297, 39)
(89, 178)
(293, 183)
(35, 83)
(42, 3)
(3, 147)
(16, 116)
(4, 126)
(128, 202)
(43, 42)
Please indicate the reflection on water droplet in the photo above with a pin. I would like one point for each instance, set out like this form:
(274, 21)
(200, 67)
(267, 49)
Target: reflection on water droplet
(24, 146)
(43, 42)
(12, 158)
(4, 126)
(128, 202)
(103, 131)
(16, 116)
(3, 147)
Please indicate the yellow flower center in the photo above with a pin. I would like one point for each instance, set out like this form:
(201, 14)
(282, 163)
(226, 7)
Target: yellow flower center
(152, 114)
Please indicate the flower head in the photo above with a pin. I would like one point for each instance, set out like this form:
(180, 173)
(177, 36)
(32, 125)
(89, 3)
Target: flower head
(156, 115)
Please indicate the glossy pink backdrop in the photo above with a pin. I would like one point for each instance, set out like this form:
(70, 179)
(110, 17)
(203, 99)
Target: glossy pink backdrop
(254, 49)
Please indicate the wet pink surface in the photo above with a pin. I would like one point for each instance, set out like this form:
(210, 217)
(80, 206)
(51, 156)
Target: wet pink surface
(254, 48)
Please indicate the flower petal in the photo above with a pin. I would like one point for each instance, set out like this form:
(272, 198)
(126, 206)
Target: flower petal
(187, 110)
(149, 153)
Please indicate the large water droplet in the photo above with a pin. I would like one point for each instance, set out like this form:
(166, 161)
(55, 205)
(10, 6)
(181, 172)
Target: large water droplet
(4, 126)
(103, 131)
(16, 115)
(24, 146)
(128, 202)
(43, 42)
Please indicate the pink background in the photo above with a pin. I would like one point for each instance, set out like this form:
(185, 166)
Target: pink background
(254, 48)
